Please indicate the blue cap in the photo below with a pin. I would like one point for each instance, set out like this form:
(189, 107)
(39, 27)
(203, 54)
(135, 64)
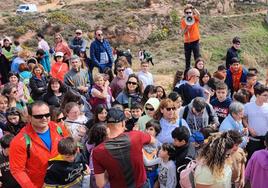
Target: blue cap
(197, 137)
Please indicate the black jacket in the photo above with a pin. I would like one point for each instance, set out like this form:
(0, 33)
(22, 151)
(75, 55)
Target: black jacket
(231, 53)
(60, 172)
(183, 156)
(38, 87)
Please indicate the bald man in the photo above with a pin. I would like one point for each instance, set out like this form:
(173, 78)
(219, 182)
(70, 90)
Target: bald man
(191, 89)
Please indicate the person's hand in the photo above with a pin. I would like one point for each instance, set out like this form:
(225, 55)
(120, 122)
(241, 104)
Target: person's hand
(241, 183)
(252, 132)
(106, 84)
(87, 171)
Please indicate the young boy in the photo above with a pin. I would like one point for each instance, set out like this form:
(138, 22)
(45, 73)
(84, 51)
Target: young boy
(69, 168)
(185, 152)
(136, 112)
(150, 108)
(221, 103)
(144, 75)
(150, 151)
(6, 179)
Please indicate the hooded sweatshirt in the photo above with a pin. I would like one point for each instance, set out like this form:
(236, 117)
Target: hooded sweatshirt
(257, 169)
(145, 118)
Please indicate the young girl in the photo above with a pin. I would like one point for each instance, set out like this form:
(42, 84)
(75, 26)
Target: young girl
(97, 134)
(14, 121)
(160, 93)
(150, 150)
(167, 168)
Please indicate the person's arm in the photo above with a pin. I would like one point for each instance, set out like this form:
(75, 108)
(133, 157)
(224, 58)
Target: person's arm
(101, 95)
(72, 46)
(202, 186)
(17, 161)
(101, 180)
(93, 56)
(151, 162)
(196, 12)
(242, 178)
(34, 87)
(246, 125)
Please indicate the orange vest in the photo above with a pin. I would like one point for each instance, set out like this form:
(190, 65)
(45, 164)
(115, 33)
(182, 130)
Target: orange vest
(192, 32)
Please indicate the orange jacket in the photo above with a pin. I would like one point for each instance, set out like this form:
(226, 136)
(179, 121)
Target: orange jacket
(30, 173)
(192, 32)
(58, 70)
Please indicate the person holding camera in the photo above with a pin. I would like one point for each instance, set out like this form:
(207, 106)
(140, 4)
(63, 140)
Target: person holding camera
(190, 31)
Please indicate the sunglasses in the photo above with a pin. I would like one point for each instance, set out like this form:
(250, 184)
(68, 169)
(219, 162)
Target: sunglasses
(61, 119)
(40, 116)
(169, 109)
(188, 12)
(120, 70)
(149, 109)
(132, 83)
(78, 33)
(100, 34)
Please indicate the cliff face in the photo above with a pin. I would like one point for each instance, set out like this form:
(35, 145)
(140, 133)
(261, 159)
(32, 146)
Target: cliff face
(213, 6)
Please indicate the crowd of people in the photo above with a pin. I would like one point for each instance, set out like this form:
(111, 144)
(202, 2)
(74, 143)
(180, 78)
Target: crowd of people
(64, 125)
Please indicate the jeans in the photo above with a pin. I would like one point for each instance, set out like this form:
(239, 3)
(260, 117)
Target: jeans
(188, 48)
(146, 184)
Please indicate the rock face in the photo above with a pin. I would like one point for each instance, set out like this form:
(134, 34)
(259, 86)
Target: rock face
(213, 6)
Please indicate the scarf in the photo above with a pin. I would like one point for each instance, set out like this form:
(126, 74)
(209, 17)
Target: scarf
(236, 76)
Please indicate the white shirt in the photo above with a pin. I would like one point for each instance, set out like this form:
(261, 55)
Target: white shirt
(257, 117)
(146, 78)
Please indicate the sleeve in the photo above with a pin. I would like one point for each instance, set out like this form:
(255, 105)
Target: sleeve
(71, 44)
(98, 168)
(249, 167)
(214, 117)
(84, 45)
(145, 137)
(151, 162)
(185, 124)
(93, 56)
(17, 160)
(246, 110)
(34, 87)
(171, 177)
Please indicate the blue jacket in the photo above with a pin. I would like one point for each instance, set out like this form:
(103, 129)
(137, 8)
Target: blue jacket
(229, 79)
(96, 48)
(230, 124)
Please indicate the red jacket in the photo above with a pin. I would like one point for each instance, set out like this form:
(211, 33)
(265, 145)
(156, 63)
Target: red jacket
(30, 173)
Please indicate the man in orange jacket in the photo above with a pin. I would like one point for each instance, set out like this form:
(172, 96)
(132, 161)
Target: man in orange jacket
(36, 143)
(190, 31)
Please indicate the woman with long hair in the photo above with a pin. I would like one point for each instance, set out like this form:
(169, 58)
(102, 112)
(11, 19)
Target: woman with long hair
(38, 82)
(149, 91)
(62, 46)
(167, 115)
(132, 92)
(55, 92)
(213, 170)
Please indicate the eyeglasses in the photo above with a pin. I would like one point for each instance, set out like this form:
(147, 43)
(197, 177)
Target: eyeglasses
(40, 116)
(172, 108)
(120, 70)
(132, 83)
(149, 109)
(61, 119)
(188, 12)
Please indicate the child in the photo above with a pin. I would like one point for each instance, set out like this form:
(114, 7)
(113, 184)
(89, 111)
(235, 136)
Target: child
(144, 75)
(136, 112)
(6, 179)
(97, 134)
(150, 150)
(69, 168)
(167, 168)
(221, 103)
(150, 108)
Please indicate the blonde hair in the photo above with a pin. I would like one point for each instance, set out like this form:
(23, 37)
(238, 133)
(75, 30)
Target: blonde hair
(164, 104)
(98, 76)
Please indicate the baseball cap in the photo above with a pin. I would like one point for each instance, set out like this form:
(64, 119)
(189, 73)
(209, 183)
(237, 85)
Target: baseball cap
(59, 54)
(115, 115)
(197, 137)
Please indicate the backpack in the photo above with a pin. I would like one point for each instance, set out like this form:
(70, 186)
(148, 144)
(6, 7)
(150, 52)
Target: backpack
(187, 175)
(29, 143)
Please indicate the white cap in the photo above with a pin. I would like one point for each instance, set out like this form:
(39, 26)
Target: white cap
(59, 54)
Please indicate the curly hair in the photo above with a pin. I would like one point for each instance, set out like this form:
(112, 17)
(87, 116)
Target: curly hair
(97, 134)
(215, 153)
(163, 104)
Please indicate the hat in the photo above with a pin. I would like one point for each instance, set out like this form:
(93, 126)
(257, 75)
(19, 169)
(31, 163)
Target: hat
(59, 54)
(78, 31)
(115, 115)
(197, 137)
(235, 60)
(236, 40)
